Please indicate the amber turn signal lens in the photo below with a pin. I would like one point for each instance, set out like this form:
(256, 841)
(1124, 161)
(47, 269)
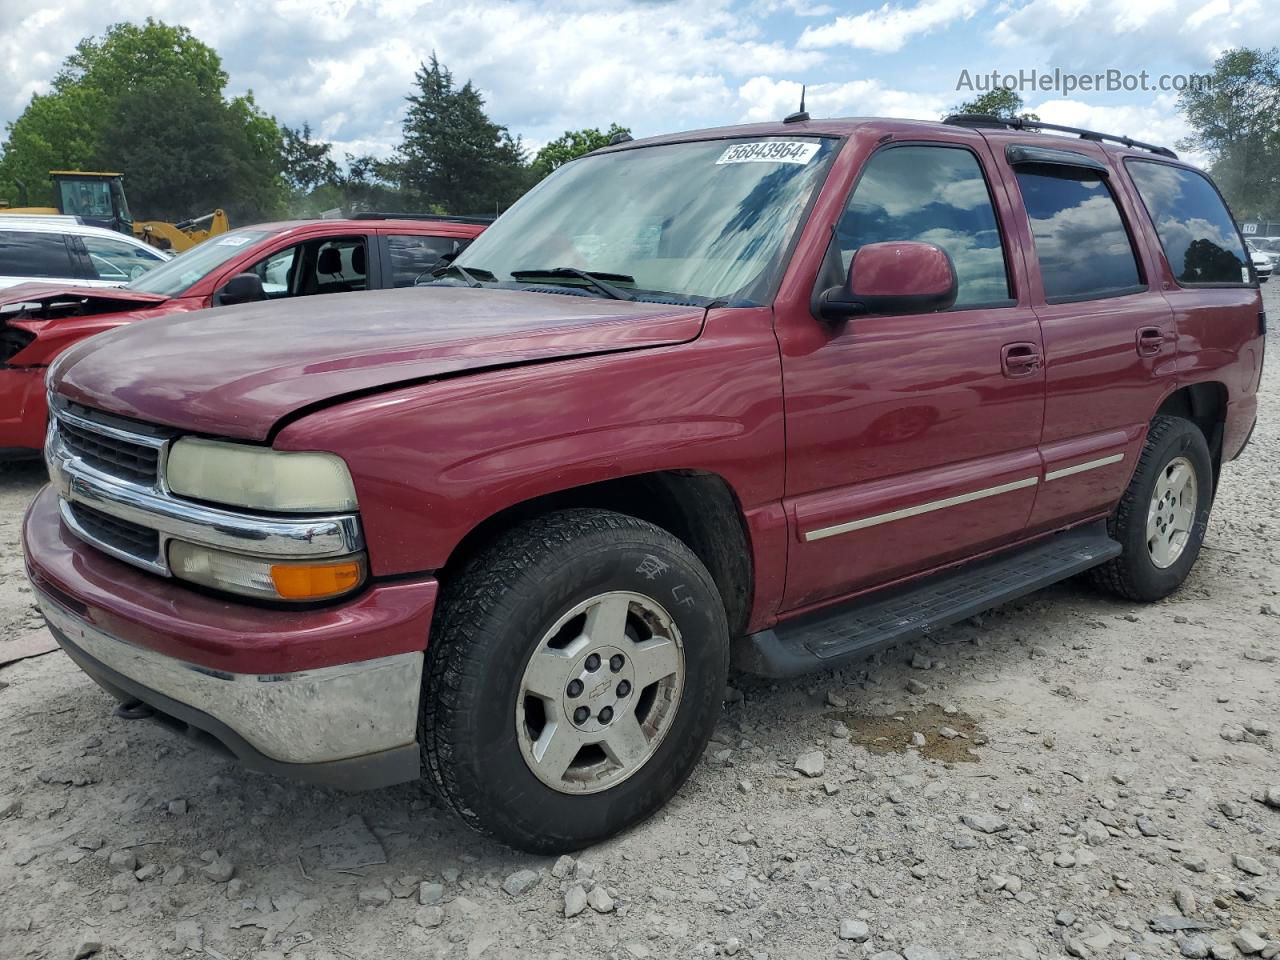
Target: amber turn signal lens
(315, 581)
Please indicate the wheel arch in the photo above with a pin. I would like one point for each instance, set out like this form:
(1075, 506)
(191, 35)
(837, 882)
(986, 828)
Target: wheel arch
(1205, 405)
(699, 508)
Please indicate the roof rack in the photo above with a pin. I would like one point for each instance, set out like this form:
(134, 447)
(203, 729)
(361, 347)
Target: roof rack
(422, 216)
(1018, 123)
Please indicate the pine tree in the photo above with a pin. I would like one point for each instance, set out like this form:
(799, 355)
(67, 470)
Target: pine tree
(453, 157)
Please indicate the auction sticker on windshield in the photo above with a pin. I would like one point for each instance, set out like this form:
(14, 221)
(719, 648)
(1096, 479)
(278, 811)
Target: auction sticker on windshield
(770, 151)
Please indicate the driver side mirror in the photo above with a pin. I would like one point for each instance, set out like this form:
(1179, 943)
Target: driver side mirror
(242, 288)
(892, 278)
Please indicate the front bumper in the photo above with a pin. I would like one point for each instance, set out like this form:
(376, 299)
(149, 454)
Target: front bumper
(327, 694)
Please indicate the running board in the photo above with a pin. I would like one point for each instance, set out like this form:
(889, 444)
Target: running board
(833, 636)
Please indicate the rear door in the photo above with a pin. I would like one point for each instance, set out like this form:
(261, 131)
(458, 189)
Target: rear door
(409, 257)
(912, 440)
(1109, 336)
(27, 255)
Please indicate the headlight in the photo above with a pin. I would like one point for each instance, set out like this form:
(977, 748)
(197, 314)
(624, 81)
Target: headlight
(259, 478)
(266, 579)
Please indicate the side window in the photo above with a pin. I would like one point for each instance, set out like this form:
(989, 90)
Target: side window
(412, 256)
(24, 254)
(340, 266)
(1081, 242)
(936, 195)
(1195, 228)
(116, 261)
(276, 271)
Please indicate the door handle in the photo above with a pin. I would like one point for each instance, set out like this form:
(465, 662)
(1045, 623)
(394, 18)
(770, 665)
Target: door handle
(1150, 340)
(1020, 359)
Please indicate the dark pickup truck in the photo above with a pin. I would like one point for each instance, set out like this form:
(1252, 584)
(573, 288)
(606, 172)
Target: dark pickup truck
(771, 396)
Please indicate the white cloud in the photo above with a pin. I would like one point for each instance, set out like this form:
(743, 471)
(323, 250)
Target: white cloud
(890, 27)
(764, 98)
(1078, 33)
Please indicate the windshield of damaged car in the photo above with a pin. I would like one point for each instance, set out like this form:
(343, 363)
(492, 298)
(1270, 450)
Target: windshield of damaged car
(173, 278)
(704, 219)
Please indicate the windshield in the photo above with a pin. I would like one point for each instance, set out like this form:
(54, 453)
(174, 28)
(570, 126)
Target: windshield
(182, 271)
(707, 219)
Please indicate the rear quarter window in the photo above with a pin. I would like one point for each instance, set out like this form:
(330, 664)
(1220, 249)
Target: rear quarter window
(31, 254)
(1195, 228)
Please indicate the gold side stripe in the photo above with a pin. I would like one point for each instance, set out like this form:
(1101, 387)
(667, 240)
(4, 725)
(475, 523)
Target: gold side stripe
(834, 531)
(1082, 467)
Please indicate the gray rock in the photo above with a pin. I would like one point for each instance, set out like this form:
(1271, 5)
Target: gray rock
(984, 822)
(575, 901)
(221, 870)
(948, 733)
(854, 930)
(429, 917)
(1196, 946)
(1065, 918)
(915, 952)
(885, 955)
(836, 700)
(1231, 810)
(1248, 942)
(178, 807)
(1185, 900)
(1232, 733)
(123, 861)
(188, 935)
(811, 764)
(116, 902)
(1249, 865)
(916, 687)
(430, 892)
(1272, 797)
(599, 900)
(520, 883)
(1174, 924)
(148, 872)
(87, 948)
(378, 896)
(1259, 728)
(563, 868)
(1147, 827)
(918, 739)
(921, 662)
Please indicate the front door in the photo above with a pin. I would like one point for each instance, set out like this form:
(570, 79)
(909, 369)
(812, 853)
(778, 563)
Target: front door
(912, 440)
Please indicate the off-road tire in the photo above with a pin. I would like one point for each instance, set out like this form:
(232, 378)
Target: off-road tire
(1133, 575)
(491, 617)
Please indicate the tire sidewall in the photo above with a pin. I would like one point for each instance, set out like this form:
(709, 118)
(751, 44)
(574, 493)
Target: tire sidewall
(1184, 440)
(517, 806)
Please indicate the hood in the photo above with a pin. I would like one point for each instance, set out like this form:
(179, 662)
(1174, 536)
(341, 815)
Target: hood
(47, 299)
(235, 371)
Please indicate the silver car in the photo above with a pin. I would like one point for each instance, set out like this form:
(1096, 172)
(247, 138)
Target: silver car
(56, 249)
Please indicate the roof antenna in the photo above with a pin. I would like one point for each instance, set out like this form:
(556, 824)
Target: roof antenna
(800, 115)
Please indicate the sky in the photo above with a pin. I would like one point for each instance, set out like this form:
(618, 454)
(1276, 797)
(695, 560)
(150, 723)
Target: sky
(345, 66)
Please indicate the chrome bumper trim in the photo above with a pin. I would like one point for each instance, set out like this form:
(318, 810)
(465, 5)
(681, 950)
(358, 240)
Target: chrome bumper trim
(313, 716)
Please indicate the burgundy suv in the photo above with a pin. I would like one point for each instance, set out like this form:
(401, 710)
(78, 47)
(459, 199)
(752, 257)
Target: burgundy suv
(775, 396)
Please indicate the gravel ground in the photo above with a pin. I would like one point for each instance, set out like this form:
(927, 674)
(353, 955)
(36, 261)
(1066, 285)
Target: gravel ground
(1102, 797)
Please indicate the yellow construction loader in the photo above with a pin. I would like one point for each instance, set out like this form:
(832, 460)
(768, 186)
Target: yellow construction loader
(98, 199)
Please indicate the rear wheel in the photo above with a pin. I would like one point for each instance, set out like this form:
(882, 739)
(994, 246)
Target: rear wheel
(573, 679)
(1162, 517)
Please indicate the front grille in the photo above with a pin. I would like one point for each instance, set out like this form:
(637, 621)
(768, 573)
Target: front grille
(130, 538)
(135, 462)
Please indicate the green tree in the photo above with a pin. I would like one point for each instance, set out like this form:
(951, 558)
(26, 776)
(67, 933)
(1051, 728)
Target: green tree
(307, 163)
(1236, 119)
(100, 99)
(573, 144)
(1000, 102)
(453, 157)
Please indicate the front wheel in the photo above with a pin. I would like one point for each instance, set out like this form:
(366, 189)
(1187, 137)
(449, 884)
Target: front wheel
(573, 679)
(1162, 517)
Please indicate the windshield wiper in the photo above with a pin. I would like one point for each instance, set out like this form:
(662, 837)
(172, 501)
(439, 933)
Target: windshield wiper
(596, 279)
(469, 274)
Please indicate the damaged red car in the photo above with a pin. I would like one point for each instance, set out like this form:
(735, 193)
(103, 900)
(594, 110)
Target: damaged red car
(270, 261)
